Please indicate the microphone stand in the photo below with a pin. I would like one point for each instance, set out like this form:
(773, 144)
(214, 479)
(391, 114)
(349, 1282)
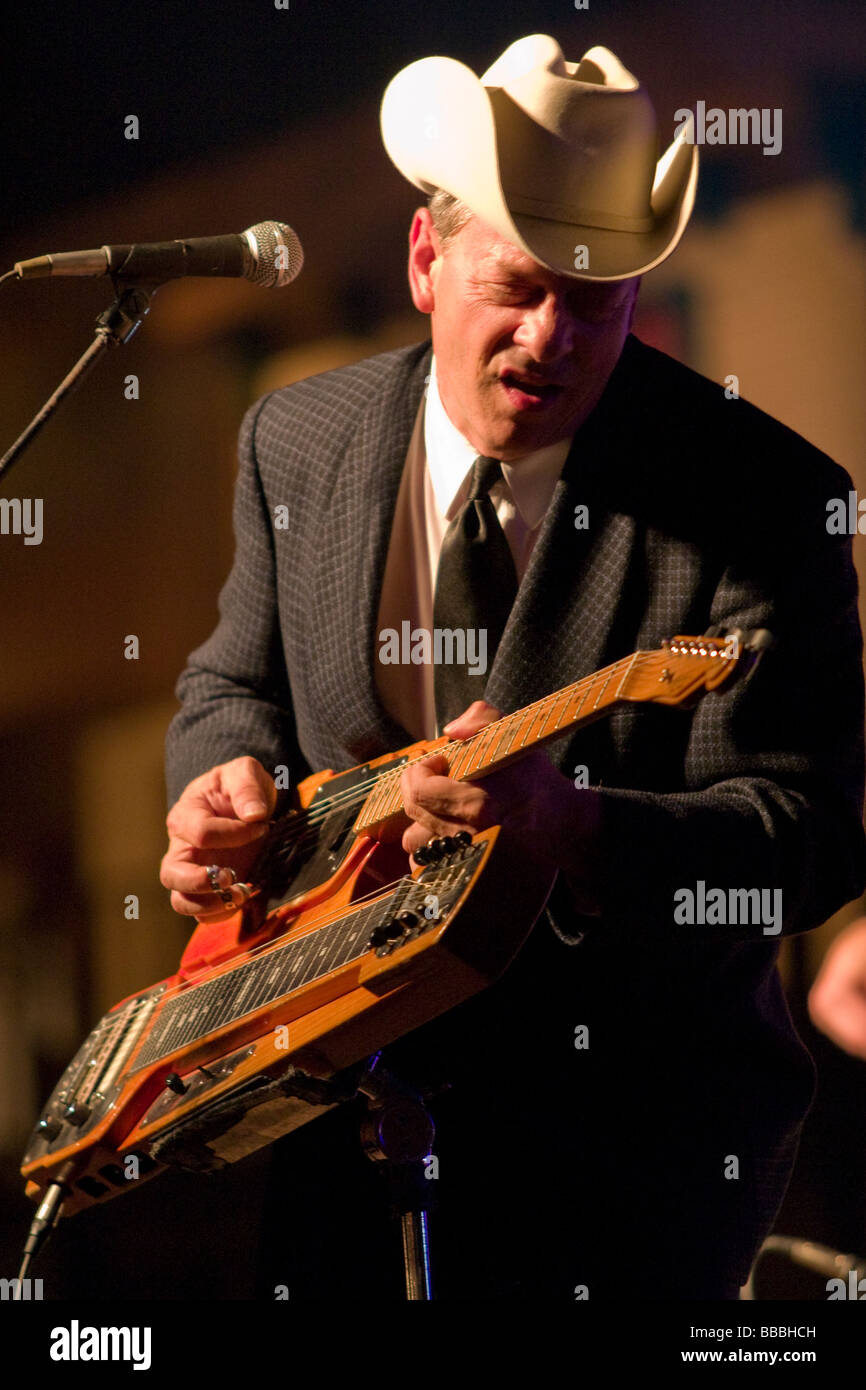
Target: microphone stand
(113, 327)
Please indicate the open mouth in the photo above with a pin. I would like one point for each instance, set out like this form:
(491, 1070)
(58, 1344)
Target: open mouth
(526, 391)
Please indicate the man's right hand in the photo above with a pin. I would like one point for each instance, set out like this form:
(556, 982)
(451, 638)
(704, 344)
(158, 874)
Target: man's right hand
(837, 1000)
(219, 819)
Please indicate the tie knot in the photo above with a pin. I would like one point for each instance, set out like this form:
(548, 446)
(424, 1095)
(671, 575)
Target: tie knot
(485, 473)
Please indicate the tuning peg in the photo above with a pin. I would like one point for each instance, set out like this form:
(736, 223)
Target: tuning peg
(445, 844)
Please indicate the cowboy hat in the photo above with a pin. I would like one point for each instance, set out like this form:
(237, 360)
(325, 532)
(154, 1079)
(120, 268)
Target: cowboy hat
(559, 158)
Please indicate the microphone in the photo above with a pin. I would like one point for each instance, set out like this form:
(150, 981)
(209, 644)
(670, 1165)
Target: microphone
(269, 254)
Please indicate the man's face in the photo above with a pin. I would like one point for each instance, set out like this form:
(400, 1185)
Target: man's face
(522, 354)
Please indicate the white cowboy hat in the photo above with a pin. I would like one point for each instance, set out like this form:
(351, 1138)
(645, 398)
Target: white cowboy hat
(555, 156)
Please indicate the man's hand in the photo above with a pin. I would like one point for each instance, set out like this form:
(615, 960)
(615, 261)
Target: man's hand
(220, 818)
(837, 1000)
(555, 821)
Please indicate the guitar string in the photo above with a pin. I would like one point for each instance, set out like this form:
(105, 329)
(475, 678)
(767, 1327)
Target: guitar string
(639, 660)
(295, 826)
(302, 827)
(225, 968)
(351, 793)
(257, 953)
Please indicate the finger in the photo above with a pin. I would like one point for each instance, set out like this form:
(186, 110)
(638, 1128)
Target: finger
(431, 762)
(427, 795)
(198, 826)
(233, 793)
(438, 799)
(209, 905)
(251, 789)
(478, 715)
(191, 886)
(427, 824)
(186, 877)
(838, 1009)
(843, 1018)
(418, 835)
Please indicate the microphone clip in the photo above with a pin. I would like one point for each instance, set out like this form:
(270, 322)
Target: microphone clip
(121, 319)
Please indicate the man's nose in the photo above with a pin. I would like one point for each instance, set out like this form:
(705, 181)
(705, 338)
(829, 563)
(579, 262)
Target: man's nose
(546, 330)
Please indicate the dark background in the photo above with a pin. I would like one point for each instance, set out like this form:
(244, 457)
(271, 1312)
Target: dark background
(247, 113)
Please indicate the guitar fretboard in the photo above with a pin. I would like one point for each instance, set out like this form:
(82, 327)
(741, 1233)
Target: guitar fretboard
(512, 735)
(204, 1008)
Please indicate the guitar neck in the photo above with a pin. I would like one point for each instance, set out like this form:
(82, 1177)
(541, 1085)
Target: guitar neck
(512, 736)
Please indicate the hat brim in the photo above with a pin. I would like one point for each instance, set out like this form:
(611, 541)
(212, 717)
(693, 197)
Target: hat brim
(438, 128)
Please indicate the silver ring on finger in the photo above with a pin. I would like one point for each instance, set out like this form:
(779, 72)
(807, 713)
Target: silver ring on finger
(213, 872)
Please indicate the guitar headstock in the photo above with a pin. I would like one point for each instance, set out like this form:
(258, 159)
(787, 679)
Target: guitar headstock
(685, 667)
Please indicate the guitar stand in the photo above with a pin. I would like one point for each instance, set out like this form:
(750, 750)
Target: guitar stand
(398, 1133)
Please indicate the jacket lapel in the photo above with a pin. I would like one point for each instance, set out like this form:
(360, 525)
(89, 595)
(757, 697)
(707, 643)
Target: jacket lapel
(354, 549)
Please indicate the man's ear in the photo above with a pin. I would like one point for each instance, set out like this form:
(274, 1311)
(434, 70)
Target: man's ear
(424, 250)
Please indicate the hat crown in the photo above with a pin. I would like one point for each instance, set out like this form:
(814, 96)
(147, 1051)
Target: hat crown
(576, 142)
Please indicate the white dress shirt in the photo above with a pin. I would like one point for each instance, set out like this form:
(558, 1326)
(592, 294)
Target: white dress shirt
(433, 489)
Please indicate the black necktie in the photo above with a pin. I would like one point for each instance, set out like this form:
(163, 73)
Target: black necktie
(476, 584)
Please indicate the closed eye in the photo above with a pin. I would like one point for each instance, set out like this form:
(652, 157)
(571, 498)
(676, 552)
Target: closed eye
(514, 293)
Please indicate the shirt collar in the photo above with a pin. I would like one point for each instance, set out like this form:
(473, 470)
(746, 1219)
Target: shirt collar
(531, 480)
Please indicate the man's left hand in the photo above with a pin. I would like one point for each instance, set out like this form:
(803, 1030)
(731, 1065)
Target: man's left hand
(554, 820)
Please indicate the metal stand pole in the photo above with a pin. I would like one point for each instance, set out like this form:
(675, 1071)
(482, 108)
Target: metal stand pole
(398, 1132)
(115, 326)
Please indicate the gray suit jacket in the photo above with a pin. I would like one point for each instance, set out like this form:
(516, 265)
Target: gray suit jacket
(702, 510)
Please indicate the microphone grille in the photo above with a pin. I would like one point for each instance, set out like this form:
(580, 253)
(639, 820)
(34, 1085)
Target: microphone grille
(276, 254)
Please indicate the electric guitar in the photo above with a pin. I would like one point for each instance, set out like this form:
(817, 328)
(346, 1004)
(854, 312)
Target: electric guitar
(317, 842)
(340, 951)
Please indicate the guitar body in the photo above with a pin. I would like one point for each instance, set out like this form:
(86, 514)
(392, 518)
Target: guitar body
(338, 952)
(235, 1086)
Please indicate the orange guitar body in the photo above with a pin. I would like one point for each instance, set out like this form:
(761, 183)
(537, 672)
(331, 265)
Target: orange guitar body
(338, 952)
(321, 1028)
